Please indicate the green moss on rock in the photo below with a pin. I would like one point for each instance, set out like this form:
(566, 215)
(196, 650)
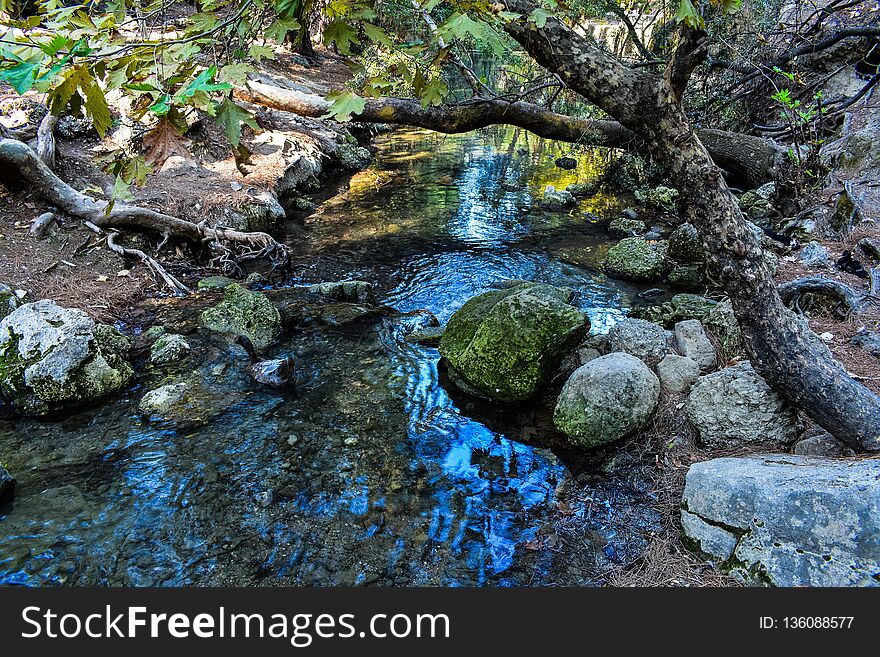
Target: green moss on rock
(52, 357)
(679, 308)
(636, 259)
(504, 344)
(243, 312)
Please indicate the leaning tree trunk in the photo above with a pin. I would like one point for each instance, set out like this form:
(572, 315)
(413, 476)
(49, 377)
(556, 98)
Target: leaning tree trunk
(780, 345)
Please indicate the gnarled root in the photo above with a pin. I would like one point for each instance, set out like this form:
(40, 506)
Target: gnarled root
(228, 245)
(849, 301)
(156, 269)
(46, 140)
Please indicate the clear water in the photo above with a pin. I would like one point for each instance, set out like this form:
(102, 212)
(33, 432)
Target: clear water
(375, 470)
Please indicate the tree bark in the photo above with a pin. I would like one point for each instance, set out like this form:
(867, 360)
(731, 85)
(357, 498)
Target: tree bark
(780, 345)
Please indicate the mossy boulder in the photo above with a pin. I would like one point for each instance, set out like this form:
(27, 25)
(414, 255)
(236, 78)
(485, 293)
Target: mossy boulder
(243, 312)
(53, 357)
(504, 344)
(605, 400)
(626, 227)
(637, 259)
(680, 307)
(721, 322)
(661, 197)
(353, 157)
(214, 283)
(169, 348)
(687, 277)
(188, 403)
(685, 245)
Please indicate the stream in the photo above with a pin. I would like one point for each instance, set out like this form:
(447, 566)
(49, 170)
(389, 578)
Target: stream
(375, 470)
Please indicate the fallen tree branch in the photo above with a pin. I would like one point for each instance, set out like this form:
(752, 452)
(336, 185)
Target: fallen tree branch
(750, 158)
(793, 292)
(18, 160)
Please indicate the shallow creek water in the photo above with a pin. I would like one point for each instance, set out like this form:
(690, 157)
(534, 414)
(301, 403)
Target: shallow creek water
(375, 470)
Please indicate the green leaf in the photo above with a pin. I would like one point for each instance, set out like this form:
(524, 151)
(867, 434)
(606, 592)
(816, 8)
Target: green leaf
(343, 105)
(231, 116)
(259, 53)
(54, 45)
(162, 106)
(377, 35)
(342, 34)
(459, 26)
(434, 92)
(235, 73)
(539, 17)
(202, 82)
(97, 109)
(21, 76)
(64, 93)
(279, 28)
(689, 15)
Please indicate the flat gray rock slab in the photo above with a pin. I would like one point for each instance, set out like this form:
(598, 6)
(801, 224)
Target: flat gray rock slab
(794, 520)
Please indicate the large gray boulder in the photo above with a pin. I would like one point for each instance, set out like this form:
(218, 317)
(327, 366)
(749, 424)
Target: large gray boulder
(815, 255)
(735, 406)
(52, 357)
(787, 520)
(504, 344)
(605, 400)
(691, 341)
(645, 340)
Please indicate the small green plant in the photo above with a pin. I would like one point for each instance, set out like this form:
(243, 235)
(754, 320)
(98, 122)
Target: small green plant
(804, 128)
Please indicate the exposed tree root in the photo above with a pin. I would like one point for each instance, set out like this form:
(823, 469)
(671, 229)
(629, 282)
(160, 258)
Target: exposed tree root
(156, 269)
(18, 160)
(848, 300)
(46, 140)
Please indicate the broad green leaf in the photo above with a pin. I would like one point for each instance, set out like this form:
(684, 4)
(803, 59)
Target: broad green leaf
(64, 93)
(54, 45)
(377, 35)
(259, 53)
(342, 34)
(21, 76)
(201, 23)
(343, 105)
(279, 28)
(231, 116)
(434, 92)
(539, 17)
(162, 106)
(458, 26)
(202, 82)
(689, 15)
(97, 109)
(235, 73)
